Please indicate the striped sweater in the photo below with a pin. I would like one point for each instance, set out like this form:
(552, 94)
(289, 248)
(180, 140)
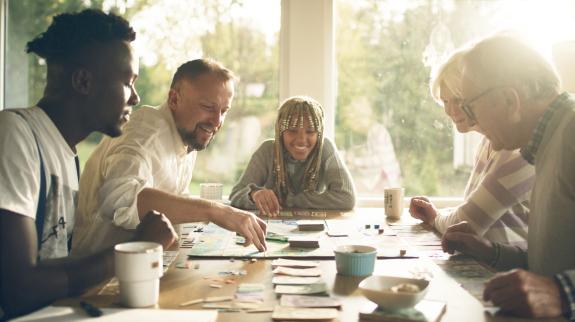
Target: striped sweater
(496, 198)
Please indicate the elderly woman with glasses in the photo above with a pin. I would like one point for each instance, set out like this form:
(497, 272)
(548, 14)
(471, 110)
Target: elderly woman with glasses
(299, 169)
(496, 199)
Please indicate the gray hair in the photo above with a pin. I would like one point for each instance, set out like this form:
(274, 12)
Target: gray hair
(506, 60)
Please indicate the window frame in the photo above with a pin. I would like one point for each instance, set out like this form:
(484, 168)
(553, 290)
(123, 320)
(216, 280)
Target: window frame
(307, 64)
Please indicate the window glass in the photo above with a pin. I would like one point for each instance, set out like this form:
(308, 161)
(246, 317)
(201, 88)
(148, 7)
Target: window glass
(387, 125)
(388, 128)
(243, 35)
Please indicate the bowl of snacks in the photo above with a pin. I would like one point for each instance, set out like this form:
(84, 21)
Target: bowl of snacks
(394, 293)
(355, 260)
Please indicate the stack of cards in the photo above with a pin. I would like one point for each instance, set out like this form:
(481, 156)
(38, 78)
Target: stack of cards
(310, 225)
(303, 242)
(297, 277)
(296, 280)
(250, 293)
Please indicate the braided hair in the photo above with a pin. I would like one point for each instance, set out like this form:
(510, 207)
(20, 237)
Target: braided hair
(291, 114)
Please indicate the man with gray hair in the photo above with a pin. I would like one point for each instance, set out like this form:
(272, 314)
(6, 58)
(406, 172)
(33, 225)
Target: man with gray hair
(150, 166)
(513, 94)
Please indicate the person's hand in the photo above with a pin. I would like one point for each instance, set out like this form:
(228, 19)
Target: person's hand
(155, 227)
(421, 208)
(248, 225)
(524, 294)
(461, 237)
(267, 202)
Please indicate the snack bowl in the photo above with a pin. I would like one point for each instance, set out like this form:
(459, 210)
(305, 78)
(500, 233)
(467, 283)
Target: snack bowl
(355, 260)
(391, 292)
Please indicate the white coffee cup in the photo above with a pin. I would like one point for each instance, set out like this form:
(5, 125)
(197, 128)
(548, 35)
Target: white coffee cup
(138, 269)
(211, 191)
(393, 202)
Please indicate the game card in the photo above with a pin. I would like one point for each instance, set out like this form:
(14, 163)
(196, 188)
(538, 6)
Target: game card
(309, 301)
(294, 263)
(290, 313)
(301, 289)
(297, 271)
(295, 280)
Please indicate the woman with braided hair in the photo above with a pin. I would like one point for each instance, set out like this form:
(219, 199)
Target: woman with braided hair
(298, 169)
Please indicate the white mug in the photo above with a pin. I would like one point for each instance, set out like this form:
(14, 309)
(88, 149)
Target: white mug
(393, 202)
(138, 269)
(211, 191)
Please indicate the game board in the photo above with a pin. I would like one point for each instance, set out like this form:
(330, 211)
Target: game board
(212, 241)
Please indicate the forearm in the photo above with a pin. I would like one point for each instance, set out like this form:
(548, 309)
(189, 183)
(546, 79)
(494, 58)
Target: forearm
(257, 172)
(31, 288)
(48, 281)
(446, 218)
(86, 272)
(510, 257)
(178, 209)
(240, 196)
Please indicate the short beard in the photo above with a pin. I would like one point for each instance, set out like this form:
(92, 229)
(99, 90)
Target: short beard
(189, 139)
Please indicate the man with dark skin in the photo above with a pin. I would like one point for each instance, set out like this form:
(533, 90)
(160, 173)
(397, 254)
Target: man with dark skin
(90, 87)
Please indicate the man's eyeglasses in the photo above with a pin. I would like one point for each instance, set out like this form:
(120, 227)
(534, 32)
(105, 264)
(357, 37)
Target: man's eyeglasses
(466, 104)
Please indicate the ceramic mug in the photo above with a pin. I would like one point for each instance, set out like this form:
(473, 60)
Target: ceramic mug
(393, 202)
(138, 267)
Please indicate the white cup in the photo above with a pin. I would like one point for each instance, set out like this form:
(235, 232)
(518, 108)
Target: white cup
(138, 269)
(211, 191)
(393, 202)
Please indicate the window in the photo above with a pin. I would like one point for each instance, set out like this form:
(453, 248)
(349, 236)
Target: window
(243, 35)
(388, 126)
(370, 70)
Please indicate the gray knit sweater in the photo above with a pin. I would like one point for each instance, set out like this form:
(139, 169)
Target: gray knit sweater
(335, 189)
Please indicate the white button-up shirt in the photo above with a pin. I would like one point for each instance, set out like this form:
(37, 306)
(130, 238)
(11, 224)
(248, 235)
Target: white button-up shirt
(149, 154)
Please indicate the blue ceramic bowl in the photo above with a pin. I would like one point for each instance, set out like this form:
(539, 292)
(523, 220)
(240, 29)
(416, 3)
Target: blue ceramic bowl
(355, 260)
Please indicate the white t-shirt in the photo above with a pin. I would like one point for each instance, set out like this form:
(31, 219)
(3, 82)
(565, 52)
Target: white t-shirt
(150, 153)
(20, 175)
